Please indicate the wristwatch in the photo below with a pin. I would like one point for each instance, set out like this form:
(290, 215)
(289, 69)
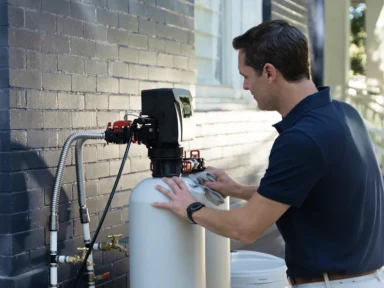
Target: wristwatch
(193, 208)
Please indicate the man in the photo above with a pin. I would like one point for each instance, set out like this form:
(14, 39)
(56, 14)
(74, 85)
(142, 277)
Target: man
(323, 186)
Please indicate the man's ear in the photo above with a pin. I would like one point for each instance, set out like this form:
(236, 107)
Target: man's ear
(270, 72)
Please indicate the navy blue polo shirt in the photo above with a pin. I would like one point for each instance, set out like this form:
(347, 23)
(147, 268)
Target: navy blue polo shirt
(323, 165)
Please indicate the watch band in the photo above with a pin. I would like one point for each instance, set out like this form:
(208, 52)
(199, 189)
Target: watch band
(196, 206)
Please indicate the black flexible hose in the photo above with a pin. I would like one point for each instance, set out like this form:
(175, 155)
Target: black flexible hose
(79, 274)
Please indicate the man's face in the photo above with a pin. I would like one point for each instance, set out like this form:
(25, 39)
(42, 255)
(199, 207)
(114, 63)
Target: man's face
(258, 84)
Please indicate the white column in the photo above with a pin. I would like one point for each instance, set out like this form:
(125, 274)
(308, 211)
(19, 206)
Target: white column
(336, 46)
(374, 24)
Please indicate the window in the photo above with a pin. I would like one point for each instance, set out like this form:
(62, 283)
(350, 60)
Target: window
(210, 26)
(217, 22)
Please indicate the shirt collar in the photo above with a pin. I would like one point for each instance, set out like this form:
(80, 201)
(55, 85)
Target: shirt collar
(320, 98)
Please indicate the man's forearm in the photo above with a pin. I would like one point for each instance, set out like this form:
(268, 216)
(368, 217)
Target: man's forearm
(245, 192)
(222, 222)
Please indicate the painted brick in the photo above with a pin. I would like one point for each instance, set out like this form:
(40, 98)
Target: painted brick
(4, 57)
(5, 143)
(41, 139)
(24, 39)
(121, 5)
(104, 117)
(105, 84)
(71, 64)
(83, 83)
(57, 119)
(71, 27)
(129, 86)
(181, 62)
(106, 17)
(114, 167)
(128, 22)
(96, 67)
(128, 55)
(4, 37)
(135, 102)
(58, 7)
(138, 41)
(83, 12)
(117, 36)
(168, 4)
(70, 101)
(118, 69)
(95, 32)
(17, 98)
(99, 102)
(147, 57)
(16, 58)
(156, 14)
(181, 35)
(13, 265)
(172, 47)
(14, 223)
(83, 119)
(113, 218)
(40, 21)
(106, 51)
(110, 151)
(100, 3)
(18, 139)
(96, 170)
(39, 61)
(82, 47)
(33, 4)
(187, 50)
(56, 81)
(191, 37)
(15, 16)
(145, 85)
(24, 79)
(165, 60)
(119, 102)
(164, 31)
(55, 44)
(138, 72)
(147, 27)
(41, 100)
(137, 8)
(156, 44)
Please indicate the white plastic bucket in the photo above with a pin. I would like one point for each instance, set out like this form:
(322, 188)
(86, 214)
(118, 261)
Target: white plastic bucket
(259, 270)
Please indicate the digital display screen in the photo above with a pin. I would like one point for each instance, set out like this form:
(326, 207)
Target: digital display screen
(186, 106)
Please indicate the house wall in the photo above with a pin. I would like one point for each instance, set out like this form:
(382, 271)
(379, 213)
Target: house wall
(70, 66)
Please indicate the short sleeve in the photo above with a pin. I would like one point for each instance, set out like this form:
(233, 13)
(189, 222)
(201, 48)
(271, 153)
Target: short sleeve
(296, 164)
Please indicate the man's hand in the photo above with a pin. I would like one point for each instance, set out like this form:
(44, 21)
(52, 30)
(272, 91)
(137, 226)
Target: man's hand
(180, 197)
(224, 184)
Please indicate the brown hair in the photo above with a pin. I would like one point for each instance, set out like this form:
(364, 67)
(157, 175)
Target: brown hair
(278, 43)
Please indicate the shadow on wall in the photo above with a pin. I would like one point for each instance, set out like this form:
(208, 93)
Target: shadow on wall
(31, 195)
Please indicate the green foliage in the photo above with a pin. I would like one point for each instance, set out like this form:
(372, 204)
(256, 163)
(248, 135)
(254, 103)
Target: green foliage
(357, 51)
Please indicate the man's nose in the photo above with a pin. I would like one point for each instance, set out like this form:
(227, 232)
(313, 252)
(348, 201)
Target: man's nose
(245, 85)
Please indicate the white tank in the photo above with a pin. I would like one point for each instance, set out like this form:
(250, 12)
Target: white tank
(217, 249)
(165, 251)
(168, 252)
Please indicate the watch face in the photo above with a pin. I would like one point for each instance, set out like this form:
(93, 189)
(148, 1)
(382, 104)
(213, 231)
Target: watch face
(195, 205)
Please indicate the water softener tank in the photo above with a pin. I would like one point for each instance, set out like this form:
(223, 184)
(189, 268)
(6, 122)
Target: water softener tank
(165, 250)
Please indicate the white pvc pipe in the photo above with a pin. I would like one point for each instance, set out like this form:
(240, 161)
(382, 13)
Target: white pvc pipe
(53, 268)
(62, 259)
(53, 280)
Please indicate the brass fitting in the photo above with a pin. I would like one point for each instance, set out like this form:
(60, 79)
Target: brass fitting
(106, 246)
(115, 242)
(83, 254)
(74, 259)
